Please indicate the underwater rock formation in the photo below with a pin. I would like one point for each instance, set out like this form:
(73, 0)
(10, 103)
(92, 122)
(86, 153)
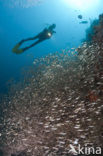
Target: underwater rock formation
(61, 106)
(95, 32)
(98, 29)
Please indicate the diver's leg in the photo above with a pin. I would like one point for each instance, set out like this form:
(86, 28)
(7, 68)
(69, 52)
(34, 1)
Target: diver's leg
(19, 50)
(32, 45)
(28, 39)
(31, 38)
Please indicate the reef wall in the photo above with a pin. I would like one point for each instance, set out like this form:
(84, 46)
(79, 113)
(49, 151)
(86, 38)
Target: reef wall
(95, 32)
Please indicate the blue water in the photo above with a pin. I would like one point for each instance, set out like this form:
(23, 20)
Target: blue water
(18, 23)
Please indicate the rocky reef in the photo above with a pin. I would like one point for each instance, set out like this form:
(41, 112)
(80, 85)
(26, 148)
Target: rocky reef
(95, 32)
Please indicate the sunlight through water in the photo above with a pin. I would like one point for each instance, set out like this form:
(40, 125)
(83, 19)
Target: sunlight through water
(82, 4)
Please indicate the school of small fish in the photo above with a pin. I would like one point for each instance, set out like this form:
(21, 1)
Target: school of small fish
(60, 107)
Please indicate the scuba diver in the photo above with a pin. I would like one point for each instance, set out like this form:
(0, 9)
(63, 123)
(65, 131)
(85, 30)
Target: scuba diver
(44, 35)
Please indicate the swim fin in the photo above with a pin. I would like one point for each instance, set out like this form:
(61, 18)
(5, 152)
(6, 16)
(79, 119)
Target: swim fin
(17, 50)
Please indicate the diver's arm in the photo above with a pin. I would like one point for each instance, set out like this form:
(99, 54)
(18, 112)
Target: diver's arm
(54, 31)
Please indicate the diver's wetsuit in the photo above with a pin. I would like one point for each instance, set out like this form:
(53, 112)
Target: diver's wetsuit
(44, 35)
